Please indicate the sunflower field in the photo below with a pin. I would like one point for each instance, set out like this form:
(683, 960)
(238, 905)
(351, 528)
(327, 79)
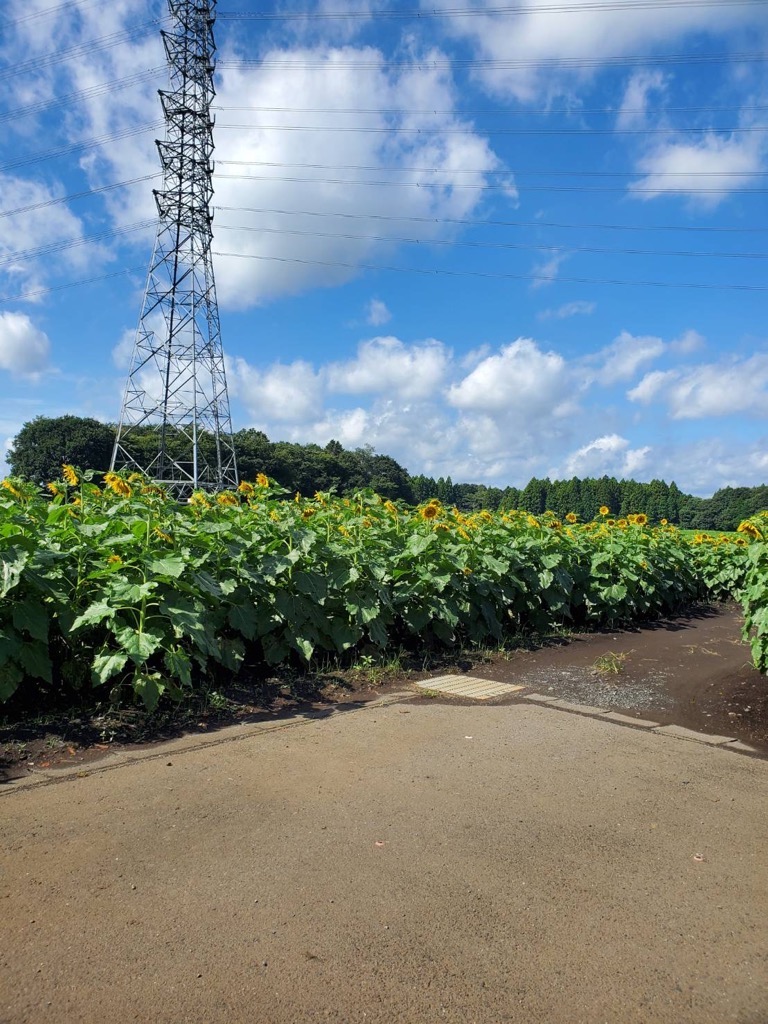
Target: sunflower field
(107, 582)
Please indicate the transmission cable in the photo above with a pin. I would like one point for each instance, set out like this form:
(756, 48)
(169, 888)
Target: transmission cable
(513, 277)
(394, 169)
(463, 243)
(495, 64)
(54, 201)
(583, 226)
(492, 186)
(106, 42)
(113, 85)
(70, 243)
(592, 6)
(76, 147)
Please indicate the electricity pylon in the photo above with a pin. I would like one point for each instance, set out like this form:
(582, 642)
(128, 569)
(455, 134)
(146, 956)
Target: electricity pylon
(175, 425)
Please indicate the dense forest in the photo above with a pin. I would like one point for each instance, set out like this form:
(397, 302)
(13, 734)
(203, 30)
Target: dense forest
(44, 443)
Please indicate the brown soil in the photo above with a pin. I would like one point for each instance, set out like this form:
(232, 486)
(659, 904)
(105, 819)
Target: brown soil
(693, 670)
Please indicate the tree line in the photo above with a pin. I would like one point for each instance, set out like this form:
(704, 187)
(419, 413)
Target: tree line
(44, 443)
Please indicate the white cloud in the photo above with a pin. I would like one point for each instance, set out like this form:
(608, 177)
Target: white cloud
(520, 381)
(706, 170)
(283, 392)
(546, 272)
(688, 343)
(540, 35)
(730, 387)
(609, 455)
(388, 365)
(578, 308)
(623, 358)
(377, 313)
(640, 86)
(24, 349)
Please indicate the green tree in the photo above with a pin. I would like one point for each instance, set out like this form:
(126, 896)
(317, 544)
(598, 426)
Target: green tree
(43, 444)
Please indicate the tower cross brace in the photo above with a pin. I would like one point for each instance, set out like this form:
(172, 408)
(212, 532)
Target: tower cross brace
(175, 424)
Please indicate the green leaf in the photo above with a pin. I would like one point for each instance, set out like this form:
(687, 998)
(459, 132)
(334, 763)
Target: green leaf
(304, 646)
(96, 612)
(171, 566)
(418, 543)
(106, 665)
(36, 661)
(243, 618)
(138, 645)
(12, 562)
(178, 664)
(150, 688)
(10, 678)
(32, 617)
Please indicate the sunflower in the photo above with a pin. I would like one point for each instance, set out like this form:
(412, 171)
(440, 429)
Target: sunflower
(430, 512)
(246, 488)
(226, 498)
(262, 480)
(114, 560)
(70, 474)
(532, 521)
(163, 535)
(116, 484)
(664, 522)
(198, 500)
(9, 486)
(571, 518)
(54, 489)
(750, 529)
(622, 524)
(308, 513)
(642, 519)
(443, 526)
(604, 510)
(610, 522)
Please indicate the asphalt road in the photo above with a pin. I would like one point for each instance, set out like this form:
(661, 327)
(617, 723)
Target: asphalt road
(403, 862)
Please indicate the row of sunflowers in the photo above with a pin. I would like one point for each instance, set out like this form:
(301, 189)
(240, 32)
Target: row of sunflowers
(106, 581)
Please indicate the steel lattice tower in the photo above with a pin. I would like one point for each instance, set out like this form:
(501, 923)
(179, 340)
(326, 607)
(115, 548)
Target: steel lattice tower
(175, 424)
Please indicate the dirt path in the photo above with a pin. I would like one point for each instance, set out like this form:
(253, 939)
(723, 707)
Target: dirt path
(409, 862)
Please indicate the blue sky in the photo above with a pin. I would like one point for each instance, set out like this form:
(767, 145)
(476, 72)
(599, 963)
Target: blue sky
(494, 243)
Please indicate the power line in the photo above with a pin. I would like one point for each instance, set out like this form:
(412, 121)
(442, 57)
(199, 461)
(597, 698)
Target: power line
(58, 9)
(497, 64)
(55, 201)
(465, 222)
(36, 293)
(76, 147)
(70, 243)
(491, 132)
(596, 6)
(481, 170)
(106, 42)
(491, 186)
(462, 243)
(497, 111)
(113, 85)
(513, 277)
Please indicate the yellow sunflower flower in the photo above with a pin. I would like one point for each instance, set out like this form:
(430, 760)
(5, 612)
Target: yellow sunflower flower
(604, 510)
(246, 488)
(227, 498)
(641, 519)
(750, 530)
(262, 480)
(430, 512)
(571, 518)
(70, 474)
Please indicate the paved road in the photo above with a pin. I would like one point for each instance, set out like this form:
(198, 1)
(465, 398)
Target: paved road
(405, 862)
